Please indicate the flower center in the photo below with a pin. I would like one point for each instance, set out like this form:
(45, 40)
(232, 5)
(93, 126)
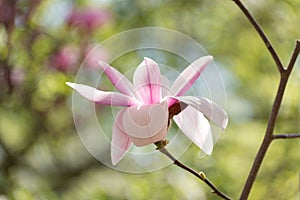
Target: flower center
(145, 121)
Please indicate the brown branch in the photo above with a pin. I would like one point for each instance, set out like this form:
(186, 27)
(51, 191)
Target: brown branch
(284, 76)
(266, 141)
(261, 34)
(286, 136)
(294, 57)
(269, 136)
(200, 175)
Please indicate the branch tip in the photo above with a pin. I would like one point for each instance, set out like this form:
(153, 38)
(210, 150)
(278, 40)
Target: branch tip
(294, 57)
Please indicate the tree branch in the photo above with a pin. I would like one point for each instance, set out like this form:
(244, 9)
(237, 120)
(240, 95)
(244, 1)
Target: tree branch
(284, 76)
(269, 136)
(261, 34)
(266, 141)
(294, 57)
(200, 175)
(286, 136)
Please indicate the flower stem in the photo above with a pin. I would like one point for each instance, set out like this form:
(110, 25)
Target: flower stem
(200, 175)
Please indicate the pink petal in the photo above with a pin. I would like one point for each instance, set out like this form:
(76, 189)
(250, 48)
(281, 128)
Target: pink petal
(210, 109)
(187, 78)
(117, 79)
(146, 124)
(146, 80)
(165, 86)
(120, 140)
(101, 97)
(196, 127)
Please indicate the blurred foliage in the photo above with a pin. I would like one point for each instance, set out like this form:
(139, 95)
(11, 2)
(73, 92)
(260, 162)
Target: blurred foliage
(41, 155)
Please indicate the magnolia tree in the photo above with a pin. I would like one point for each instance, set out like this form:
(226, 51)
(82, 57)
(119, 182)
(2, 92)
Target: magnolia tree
(125, 125)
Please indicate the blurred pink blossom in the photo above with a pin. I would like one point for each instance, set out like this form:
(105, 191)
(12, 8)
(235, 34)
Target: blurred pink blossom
(88, 18)
(65, 58)
(94, 54)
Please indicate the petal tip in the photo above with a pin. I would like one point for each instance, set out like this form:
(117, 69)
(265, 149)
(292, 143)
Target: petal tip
(72, 85)
(114, 161)
(210, 57)
(207, 59)
(209, 152)
(102, 64)
(117, 154)
(206, 150)
(115, 157)
(225, 123)
(149, 60)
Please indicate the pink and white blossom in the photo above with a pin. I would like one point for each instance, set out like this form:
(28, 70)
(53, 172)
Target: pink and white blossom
(145, 118)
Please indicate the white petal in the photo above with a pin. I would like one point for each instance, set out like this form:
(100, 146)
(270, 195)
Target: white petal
(146, 124)
(102, 97)
(196, 127)
(147, 81)
(187, 78)
(117, 79)
(210, 109)
(165, 86)
(120, 140)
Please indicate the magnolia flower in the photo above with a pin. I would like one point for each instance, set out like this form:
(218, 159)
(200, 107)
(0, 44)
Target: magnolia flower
(147, 102)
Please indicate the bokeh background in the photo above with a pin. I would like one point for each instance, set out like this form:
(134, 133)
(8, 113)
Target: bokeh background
(43, 43)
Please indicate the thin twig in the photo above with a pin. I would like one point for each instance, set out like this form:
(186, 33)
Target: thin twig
(294, 57)
(200, 175)
(286, 136)
(261, 34)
